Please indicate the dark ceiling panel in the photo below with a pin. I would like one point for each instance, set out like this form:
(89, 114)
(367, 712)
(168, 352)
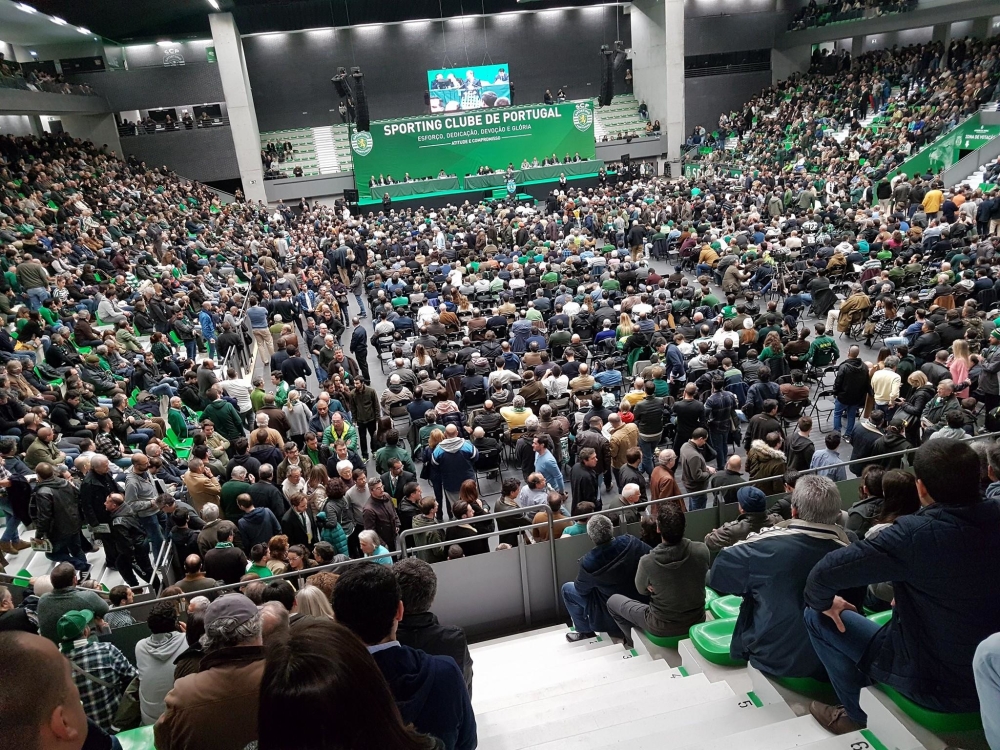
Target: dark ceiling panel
(145, 20)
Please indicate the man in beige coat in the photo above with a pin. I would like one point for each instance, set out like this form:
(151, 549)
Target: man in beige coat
(201, 485)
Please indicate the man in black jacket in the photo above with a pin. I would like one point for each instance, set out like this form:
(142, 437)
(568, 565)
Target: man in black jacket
(649, 419)
(359, 346)
(942, 562)
(128, 541)
(584, 480)
(419, 628)
(850, 389)
(94, 490)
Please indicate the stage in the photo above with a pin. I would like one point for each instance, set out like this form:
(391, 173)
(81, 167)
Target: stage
(535, 189)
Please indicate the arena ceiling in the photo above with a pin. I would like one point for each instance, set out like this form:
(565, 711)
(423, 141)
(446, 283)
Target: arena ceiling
(145, 20)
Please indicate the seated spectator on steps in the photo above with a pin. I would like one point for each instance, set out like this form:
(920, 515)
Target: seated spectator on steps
(429, 690)
(419, 628)
(942, 562)
(673, 575)
(769, 571)
(608, 569)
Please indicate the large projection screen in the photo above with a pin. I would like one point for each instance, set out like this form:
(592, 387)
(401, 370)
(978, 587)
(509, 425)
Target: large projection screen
(463, 89)
(460, 143)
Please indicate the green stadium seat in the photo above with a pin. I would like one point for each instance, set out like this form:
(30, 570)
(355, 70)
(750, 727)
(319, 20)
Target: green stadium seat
(710, 596)
(726, 606)
(881, 617)
(935, 721)
(140, 738)
(712, 640)
(669, 641)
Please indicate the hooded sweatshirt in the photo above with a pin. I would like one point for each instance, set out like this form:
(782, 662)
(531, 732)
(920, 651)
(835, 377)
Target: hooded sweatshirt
(852, 385)
(430, 693)
(154, 658)
(258, 526)
(456, 458)
(676, 575)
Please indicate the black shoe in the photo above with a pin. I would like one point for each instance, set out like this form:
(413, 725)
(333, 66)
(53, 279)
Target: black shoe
(575, 636)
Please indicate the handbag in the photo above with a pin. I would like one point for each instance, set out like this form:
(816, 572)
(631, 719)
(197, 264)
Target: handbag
(128, 715)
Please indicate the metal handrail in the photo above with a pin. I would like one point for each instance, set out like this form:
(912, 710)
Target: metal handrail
(281, 576)
(549, 522)
(751, 482)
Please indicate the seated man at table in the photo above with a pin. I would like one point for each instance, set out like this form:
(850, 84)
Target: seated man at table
(769, 570)
(942, 561)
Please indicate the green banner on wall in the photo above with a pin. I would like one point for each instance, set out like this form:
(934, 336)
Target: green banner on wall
(943, 153)
(461, 142)
(210, 54)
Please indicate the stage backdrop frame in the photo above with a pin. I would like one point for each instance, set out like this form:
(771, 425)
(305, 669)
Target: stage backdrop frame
(461, 142)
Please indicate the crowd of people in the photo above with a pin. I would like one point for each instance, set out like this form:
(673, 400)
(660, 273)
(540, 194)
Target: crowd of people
(813, 14)
(790, 127)
(32, 78)
(548, 349)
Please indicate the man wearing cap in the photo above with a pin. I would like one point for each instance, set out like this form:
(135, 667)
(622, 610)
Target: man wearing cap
(220, 700)
(753, 517)
(101, 672)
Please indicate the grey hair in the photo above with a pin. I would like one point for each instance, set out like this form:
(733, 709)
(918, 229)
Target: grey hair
(531, 423)
(817, 499)
(666, 456)
(198, 604)
(210, 512)
(518, 402)
(224, 632)
(892, 362)
(948, 382)
(371, 537)
(630, 489)
(239, 473)
(600, 530)
(262, 420)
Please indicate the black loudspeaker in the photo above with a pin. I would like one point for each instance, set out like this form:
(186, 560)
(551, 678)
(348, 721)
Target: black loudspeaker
(607, 77)
(626, 160)
(620, 55)
(427, 98)
(352, 196)
(360, 99)
(339, 82)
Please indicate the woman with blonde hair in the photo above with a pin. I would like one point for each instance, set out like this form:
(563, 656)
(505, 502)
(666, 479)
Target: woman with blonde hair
(959, 364)
(625, 327)
(312, 602)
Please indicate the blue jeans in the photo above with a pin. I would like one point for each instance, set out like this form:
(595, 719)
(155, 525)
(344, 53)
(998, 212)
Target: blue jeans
(842, 652)
(576, 605)
(10, 533)
(839, 409)
(647, 448)
(720, 444)
(361, 304)
(697, 502)
(69, 550)
(191, 347)
(37, 296)
(163, 389)
(211, 349)
(140, 437)
(986, 668)
(154, 534)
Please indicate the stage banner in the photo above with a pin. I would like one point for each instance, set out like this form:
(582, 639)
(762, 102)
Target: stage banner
(460, 143)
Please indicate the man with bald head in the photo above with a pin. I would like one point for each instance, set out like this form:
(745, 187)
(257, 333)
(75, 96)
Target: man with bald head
(456, 457)
(44, 450)
(194, 579)
(40, 707)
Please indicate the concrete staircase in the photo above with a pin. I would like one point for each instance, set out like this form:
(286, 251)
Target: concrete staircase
(536, 690)
(37, 564)
(621, 116)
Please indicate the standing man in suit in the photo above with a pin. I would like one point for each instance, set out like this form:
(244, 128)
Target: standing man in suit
(396, 479)
(299, 523)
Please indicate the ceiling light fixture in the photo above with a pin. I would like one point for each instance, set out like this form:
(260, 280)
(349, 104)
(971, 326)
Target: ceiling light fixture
(25, 8)
(214, 4)
(82, 30)
(164, 44)
(58, 21)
